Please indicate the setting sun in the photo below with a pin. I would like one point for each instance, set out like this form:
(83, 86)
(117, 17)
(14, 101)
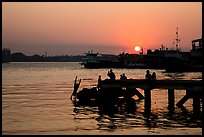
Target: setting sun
(137, 48)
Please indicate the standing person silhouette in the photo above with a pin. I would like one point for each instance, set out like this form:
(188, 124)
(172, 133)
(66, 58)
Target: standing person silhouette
(99, 82)
(111, 74)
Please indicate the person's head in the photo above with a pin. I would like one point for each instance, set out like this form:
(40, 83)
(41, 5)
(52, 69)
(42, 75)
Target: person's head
(111, 70)
(147, 71)
(99, 76)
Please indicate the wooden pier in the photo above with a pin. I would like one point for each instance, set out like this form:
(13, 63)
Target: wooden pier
(193, 90)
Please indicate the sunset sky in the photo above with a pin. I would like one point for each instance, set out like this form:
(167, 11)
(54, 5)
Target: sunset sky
(72, 28)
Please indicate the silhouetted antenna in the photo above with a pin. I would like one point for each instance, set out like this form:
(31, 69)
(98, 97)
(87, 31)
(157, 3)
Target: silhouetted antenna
(177, 39)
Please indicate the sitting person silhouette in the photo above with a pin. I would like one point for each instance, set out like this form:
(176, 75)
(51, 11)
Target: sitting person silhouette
(148, 76)
(123, 77)
(111, 74)
(153, 76)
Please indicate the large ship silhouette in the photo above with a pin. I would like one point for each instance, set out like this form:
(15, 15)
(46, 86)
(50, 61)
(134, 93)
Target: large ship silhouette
(162, 58)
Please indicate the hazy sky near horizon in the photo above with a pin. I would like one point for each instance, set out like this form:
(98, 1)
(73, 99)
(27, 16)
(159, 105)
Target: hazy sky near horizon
(105, 27)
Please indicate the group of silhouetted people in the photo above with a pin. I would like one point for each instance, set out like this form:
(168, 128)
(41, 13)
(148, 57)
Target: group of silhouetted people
(149, 76)
(112, 76)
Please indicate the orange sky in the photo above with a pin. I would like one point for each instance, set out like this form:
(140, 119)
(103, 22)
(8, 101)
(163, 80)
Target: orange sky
(105, 27)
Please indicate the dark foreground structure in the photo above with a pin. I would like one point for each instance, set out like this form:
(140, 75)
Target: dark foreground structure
(113, 91)
(193, 90)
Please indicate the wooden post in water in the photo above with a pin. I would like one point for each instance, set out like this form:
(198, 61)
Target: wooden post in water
(196, 103)
(76, 86)
(147, 103)
(171, 100)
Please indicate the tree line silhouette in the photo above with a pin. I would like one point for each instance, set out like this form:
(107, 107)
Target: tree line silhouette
(20, 57)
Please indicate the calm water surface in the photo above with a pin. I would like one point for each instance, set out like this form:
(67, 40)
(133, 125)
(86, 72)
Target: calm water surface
(36, 100)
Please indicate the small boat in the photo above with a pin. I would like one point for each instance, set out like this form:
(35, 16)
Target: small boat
(108, 100)
(96, 94)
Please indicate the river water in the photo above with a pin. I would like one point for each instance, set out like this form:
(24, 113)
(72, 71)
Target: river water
(36, 100)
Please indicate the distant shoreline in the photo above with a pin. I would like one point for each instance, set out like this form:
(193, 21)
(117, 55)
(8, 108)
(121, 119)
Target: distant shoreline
(37, 61)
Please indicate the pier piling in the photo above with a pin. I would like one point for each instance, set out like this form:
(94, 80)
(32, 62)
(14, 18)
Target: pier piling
(193, 90)
(171, 100)
(196, 104)
(147, 102)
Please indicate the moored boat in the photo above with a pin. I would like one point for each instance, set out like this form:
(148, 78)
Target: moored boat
(96, 60)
